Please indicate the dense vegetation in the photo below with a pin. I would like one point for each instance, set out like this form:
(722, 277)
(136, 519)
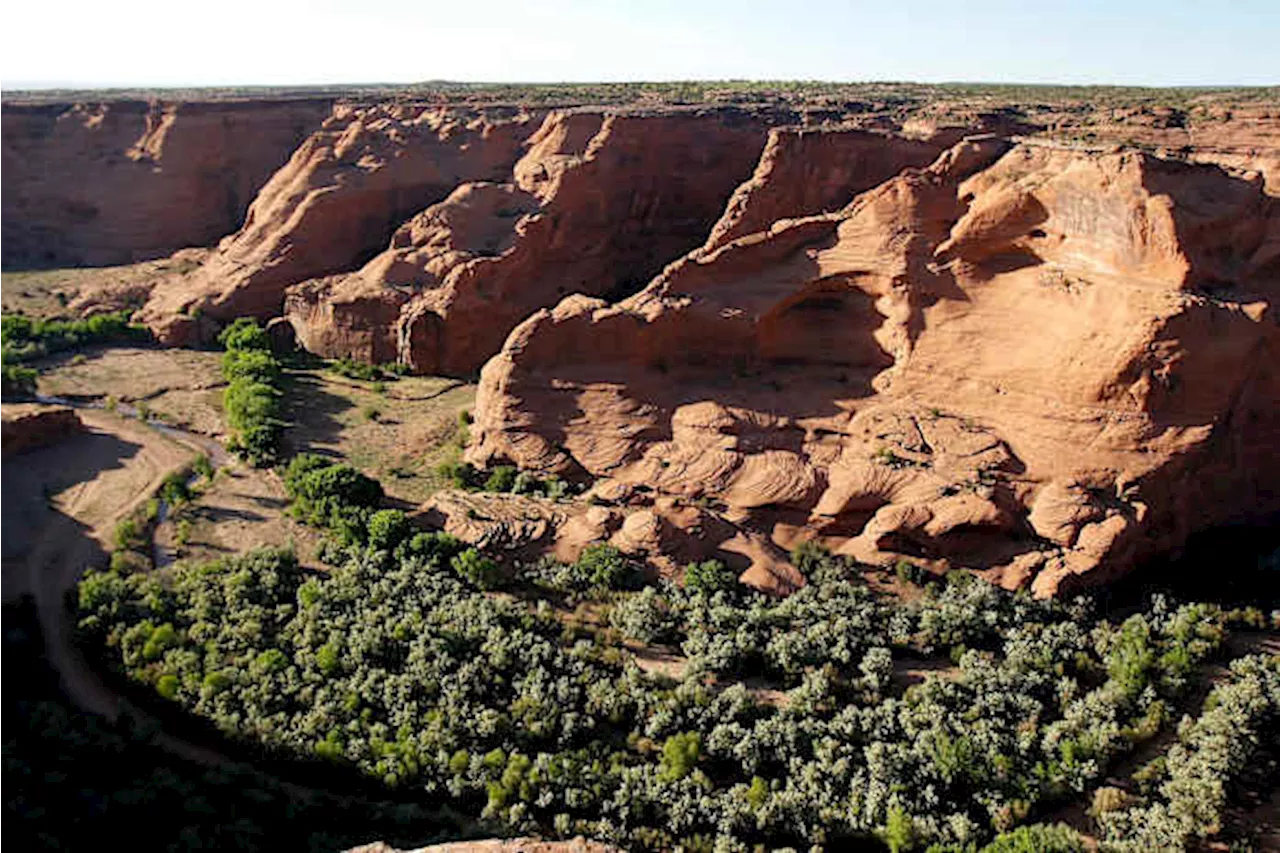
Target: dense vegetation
(399, 665)
(24, 339)
(252, 401)
(74, 782)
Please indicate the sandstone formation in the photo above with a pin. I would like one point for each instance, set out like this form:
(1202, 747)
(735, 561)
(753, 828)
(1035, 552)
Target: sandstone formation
(27, 426)
(666, 534)
(335, 204)
(804, 171)
(1035, 339)
(1041, 362)
(598, 204)
(125, 181)
(497, 845)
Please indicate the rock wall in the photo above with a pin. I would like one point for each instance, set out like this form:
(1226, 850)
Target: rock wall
(336, 203)
(120, 182)
(598, 204)
(1039, 362)
(27, 426)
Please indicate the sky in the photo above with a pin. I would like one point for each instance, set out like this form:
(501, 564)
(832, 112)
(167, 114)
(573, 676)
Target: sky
(91, 43)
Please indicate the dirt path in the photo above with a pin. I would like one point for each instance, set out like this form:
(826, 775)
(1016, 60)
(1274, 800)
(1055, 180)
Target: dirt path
(60, 510)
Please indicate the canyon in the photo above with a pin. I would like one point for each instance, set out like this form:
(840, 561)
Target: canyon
(1033, 340)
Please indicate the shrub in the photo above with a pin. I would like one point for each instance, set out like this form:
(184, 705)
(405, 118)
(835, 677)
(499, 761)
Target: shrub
(809, 556)
(500, 479)
(352, 369)
(244, 334)
(1107, 799)
(527, 483)
(438, 547)
(603, 566)
(477, 568)
(252, 399)
(202, 467)
(680, 753)
(388, 528)
(899, 831)
(646, 617)
(1038, 838)
(174, 490)
(708, 577)
(460, 475)
(908, 572)
(254, 364)
(17, 381)
(128, 535)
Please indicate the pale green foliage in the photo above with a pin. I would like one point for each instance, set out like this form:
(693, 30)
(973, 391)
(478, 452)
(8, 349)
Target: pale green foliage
(396, 664)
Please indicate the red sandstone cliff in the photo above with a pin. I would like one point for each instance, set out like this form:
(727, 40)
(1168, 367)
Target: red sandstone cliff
(115, 183)
(1037, 361)
(336, 202)
(597, 205)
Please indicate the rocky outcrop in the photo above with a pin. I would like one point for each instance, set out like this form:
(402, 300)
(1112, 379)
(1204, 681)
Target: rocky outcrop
(335, 204)
(497, 845)
(94, 184)
(27, 426)
(1041, 362)
(666, 534)
(804, 171)
(598, 204)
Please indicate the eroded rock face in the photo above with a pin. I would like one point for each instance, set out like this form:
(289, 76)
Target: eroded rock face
(666, 534)
(344, 191)
(115, 183)
(598, 204)
(803, 171)
(27, 426)
(1040, 362)
(497, 845)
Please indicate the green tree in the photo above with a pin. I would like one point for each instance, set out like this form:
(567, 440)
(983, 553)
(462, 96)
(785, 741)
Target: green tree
(680, 753)
(709, 576)
(477, 568)
(899, 831)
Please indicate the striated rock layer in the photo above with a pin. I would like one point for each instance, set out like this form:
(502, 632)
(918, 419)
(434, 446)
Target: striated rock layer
(759, 323)
(599, 202)
(126, 181)
(1040, 362)
(335, 203)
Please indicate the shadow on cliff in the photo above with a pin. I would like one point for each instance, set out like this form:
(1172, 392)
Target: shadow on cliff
(1221, 221)
(1235, 565)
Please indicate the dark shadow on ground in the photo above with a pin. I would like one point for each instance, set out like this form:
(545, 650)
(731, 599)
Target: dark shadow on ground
(312, 415)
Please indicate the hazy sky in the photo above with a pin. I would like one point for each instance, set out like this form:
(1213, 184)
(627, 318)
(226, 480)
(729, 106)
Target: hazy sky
(275, 42)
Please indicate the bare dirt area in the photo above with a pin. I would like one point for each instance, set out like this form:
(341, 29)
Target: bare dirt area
(61, 504)
(72, 291)
(397, 435)
(242, 509)
(181, 387)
